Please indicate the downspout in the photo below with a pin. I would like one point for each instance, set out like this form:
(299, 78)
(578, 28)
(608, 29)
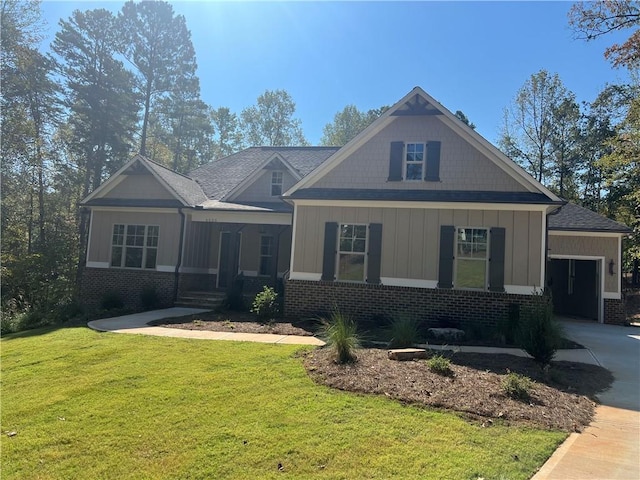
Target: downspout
(546, 246)
(183, 220)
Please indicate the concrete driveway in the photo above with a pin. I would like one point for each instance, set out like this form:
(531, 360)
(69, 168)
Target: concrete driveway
(610, 447)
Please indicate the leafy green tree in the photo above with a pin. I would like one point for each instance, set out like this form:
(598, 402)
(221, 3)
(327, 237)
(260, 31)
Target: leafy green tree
(529, 131)
(565, 140)
(227, 132)
(460, 114)
(347, 124)
(184, 125)
(271, 123)
(100, 92)
(101, 101)
(158, 44)
(622, 175)
(31, 248)
(591, 20)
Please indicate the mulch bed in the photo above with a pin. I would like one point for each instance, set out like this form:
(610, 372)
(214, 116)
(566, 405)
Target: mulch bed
(564, 399)
(236, 322)
(474, 388)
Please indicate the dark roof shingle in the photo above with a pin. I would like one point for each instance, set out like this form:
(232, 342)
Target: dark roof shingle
(221, 176)
(186, 188)
(572, 217)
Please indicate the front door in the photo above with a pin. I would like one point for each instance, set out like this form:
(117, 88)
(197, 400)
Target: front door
(228, 258)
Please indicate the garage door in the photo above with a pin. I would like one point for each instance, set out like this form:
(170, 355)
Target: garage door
(575, 287)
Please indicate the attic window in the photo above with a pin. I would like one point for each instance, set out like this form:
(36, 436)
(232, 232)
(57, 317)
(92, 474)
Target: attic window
(276, 184)
(414, 161)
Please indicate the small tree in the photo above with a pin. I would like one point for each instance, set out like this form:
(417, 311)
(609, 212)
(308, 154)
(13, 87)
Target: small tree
(539, 334)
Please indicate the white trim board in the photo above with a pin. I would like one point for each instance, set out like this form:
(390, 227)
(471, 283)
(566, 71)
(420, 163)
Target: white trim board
(571, 233)
(206, 271)
(314, 277)
(423, 205)
(266, 218)
(97, 265)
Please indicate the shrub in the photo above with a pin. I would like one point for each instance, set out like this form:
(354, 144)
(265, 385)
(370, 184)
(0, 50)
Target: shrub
(265, 305)
(111, 301)
(517, 386)
(149, 298)
(6, 324)
(404, 332)
(508, 327)
(341, 335)
(440, 365)
(539, 334)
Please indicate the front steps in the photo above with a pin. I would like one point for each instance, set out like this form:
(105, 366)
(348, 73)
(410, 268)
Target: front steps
(208, 300)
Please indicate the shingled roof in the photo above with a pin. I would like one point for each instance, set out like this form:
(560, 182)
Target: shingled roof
(572, 217)
(221, 176)
(184, 187)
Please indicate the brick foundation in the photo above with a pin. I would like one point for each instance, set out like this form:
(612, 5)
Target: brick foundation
(614, 311)
(128, 284)
(433, 306)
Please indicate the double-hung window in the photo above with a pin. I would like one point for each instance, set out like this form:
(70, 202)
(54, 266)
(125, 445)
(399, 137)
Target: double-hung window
(414, 161)
(276, 183)
(266, 255)
(352, 248)
(471, 258)
(134, 246)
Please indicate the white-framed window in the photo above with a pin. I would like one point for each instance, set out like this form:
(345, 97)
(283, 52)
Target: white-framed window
(276, 183)
(134, 246)
(414, 155)
(471, 265)
(266, 254)
(352, 248)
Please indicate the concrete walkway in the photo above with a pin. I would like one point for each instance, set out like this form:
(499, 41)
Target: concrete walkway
(610, 447)
(137, 324)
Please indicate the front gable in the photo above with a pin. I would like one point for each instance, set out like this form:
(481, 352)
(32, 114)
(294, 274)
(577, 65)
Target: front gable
(142, 183)
(136, 184)
(267, 183)
(419, 145)
(446, 161)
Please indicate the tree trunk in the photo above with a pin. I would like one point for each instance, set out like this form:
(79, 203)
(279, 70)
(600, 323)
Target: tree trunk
(145, 121)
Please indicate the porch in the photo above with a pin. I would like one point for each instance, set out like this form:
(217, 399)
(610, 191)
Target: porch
(215, 254)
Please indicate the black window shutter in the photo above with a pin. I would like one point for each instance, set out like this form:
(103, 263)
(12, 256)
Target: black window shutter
(445, 271)
(432, 173)
(395, 161)
(375, 253)
(329, 255)
(496, 260)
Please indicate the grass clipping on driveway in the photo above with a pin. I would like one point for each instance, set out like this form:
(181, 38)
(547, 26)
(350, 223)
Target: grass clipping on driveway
(82, 404)
(473, 387)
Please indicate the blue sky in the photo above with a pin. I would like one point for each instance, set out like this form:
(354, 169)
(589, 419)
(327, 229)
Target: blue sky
(470, 56)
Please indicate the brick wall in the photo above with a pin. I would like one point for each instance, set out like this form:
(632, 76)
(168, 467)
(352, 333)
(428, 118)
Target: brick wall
(614, 311)
(435, 306)
(128, 284)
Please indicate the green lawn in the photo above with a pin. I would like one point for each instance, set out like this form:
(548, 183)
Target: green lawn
(101, 405)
